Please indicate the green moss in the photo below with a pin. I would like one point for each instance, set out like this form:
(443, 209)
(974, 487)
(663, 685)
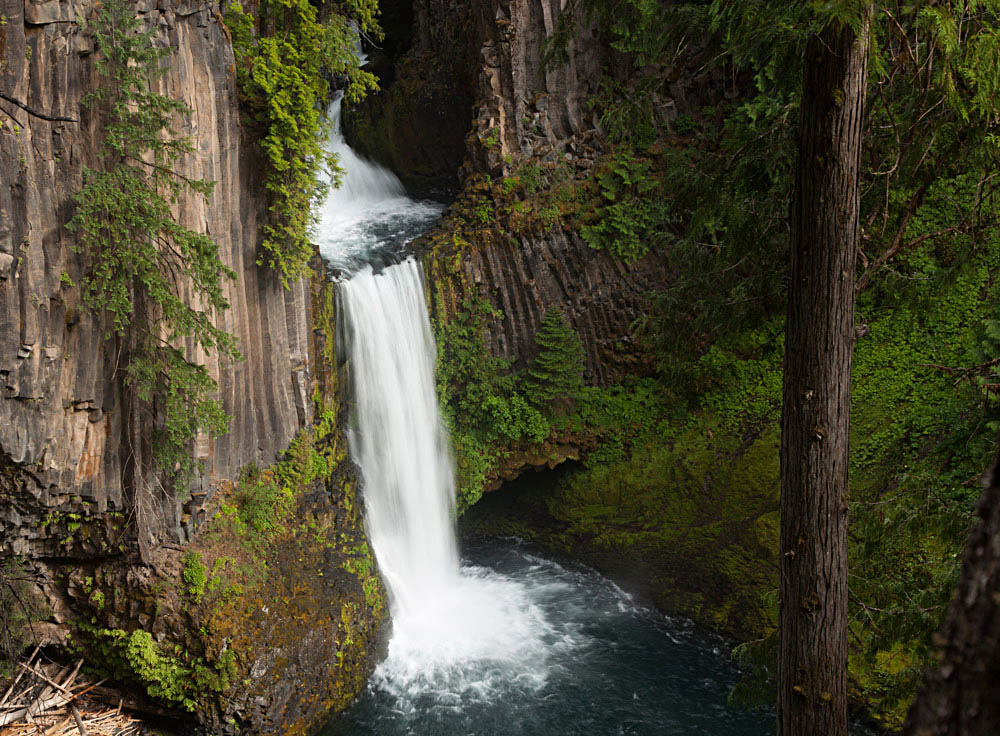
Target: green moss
(194, 574)
(171, 676)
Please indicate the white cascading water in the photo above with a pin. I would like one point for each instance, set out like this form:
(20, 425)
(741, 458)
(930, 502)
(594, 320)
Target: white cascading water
(369, 212)
(444, 618)
(457, 632)
(524, 646)
(397, 437)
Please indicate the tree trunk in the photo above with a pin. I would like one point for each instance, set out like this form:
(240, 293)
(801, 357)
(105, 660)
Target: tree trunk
(819, 342)
(961, 695)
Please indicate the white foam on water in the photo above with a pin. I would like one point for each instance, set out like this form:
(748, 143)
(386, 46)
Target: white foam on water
(465, 633)
(369, 209)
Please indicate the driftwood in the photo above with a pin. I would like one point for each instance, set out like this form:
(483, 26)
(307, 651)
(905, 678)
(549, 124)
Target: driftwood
(52, 700)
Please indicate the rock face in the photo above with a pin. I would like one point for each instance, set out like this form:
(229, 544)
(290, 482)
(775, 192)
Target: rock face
(272, 651)
(60, 415)
(522, 278)
(417, 123)
(534, 111)
(520, 114)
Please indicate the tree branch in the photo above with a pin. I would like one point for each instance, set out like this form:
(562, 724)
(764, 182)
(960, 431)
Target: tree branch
(43, 116)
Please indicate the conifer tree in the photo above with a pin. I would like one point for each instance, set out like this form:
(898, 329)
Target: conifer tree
(557, 371)
(139, 260)
(819, 344)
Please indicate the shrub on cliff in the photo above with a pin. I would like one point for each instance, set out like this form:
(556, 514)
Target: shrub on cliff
(285, 55)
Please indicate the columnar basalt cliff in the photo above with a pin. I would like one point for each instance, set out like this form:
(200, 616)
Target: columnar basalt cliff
(519, 114)
(657, 514)
(293, 632)
(60, 415)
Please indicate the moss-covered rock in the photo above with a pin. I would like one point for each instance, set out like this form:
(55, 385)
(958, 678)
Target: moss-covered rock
(690, 524)
(268, 619)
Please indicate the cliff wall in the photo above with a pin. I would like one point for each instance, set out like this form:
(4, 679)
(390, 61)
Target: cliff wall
(519, 114)
(60, 411)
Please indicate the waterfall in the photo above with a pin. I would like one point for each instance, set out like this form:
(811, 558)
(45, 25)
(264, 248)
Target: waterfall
(368, 218)
(364, 184)
(461, 631)
(396, 435)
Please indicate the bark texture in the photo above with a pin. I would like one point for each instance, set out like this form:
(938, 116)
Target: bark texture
(819, 342)
(961, 695)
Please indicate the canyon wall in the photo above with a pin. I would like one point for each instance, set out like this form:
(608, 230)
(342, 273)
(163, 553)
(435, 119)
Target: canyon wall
(517, 113)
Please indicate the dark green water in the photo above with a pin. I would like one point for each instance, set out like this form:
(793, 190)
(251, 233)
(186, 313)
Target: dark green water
(591, 661)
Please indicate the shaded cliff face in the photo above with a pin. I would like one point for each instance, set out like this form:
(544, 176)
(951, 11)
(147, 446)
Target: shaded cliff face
(416, 124)
(534, 111)
(516, 115)
(60, 412)
(257, 632)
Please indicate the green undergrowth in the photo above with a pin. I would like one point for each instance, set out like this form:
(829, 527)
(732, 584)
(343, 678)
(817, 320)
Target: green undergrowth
(168, 673)
(678, 490)
(497, 417)
(285, 544)
(616, 205)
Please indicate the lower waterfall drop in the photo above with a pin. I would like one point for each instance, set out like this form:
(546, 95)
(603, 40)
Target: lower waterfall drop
(456, 632)
(451, 629)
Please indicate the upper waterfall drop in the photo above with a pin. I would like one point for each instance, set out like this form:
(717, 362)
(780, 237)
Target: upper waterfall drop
(368, 218)
(365, 184)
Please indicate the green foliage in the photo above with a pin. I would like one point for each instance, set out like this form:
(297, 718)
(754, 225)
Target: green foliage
(556, 374)
(194, 575)
(482, 404)
(263, 503)
(173, 677)
(139, 258)
(284, 57)
(631, 219)
(986, 352)
(164, 676)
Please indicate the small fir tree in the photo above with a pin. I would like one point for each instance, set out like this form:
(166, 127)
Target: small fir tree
(556, 374)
